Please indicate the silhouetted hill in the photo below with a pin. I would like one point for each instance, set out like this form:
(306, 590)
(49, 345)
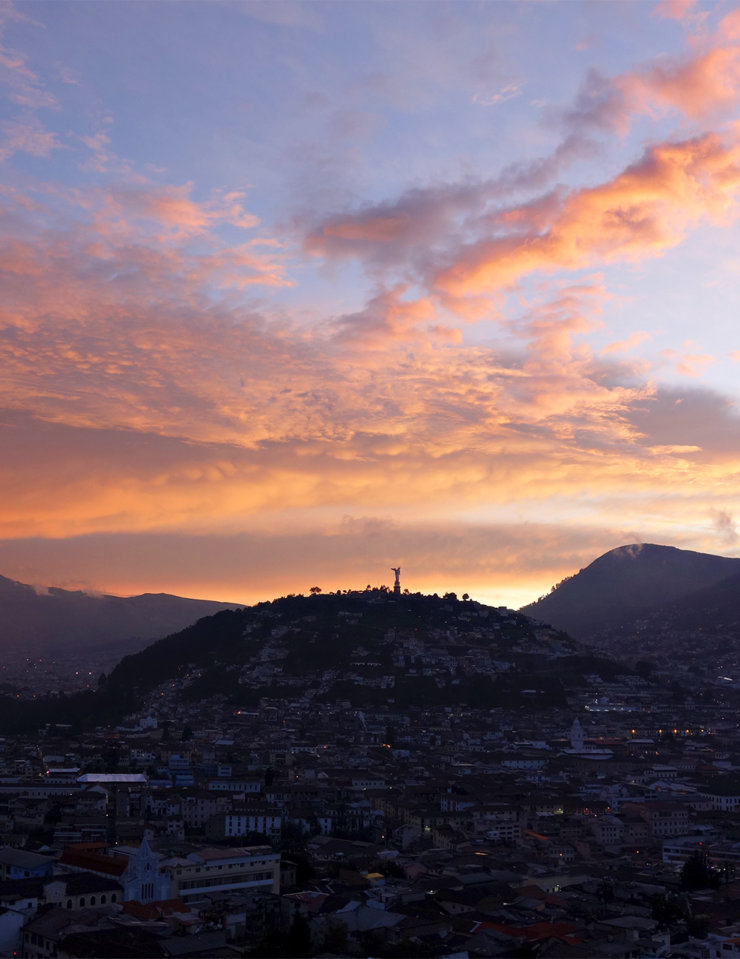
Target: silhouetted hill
(700, 630)
(319, 641)
(631, 583)
(42, 621)
(366, 648)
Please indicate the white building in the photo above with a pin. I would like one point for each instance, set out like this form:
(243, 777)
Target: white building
(217, 872)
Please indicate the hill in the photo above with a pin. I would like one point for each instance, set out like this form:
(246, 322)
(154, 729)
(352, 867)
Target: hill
(701, 631)
(632, 583)
(366, 648)
(38, 622)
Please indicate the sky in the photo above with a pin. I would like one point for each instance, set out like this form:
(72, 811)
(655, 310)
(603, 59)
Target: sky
(294, 293)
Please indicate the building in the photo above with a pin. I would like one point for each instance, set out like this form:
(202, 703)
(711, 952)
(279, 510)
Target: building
(136, 868)
(266, 822)
(19, 864)
(218, 872)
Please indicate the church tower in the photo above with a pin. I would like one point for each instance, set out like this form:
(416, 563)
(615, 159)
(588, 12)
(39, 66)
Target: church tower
(576, 736)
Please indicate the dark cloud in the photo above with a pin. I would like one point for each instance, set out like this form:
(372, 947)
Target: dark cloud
(246, 567)
(695, 417)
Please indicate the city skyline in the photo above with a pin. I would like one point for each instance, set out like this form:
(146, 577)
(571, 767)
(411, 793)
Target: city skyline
(296, 293)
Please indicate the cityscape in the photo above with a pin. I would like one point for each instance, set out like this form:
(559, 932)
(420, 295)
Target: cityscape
(376, 773)
(369, 538)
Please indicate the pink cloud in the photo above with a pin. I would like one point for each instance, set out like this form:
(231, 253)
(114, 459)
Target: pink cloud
(26, 135)
(103, 160)
(701, 86)
(507, 92)
(688, 364)
(404, 231)
(240, 267)
(378, 233)
(676, 9)
(173, 209)
(154, 409)
(729, 27)
(23, 85)
(696, 85)
(412, 235)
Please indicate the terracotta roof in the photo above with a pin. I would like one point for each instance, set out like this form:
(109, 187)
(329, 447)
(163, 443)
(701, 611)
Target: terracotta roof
(94, 861)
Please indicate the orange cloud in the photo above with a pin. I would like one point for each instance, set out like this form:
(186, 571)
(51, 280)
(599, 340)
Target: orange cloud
(645, 210)
(729, 27)
(162, 410)
(621, 346)
(116, 335)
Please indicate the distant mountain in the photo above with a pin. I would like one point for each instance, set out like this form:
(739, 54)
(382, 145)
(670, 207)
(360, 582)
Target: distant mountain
(49, 621)
(712, 606)
(631, 584)
(700, 630)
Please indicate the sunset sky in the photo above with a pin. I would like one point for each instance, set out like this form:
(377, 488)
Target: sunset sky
(296, 292)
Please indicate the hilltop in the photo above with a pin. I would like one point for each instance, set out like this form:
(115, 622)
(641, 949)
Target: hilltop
(645, 599)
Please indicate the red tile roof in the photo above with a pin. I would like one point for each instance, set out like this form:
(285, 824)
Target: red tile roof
(93, 861)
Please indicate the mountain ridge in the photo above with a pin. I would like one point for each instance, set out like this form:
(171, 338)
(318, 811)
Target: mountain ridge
(37, 620)
(628, 584)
